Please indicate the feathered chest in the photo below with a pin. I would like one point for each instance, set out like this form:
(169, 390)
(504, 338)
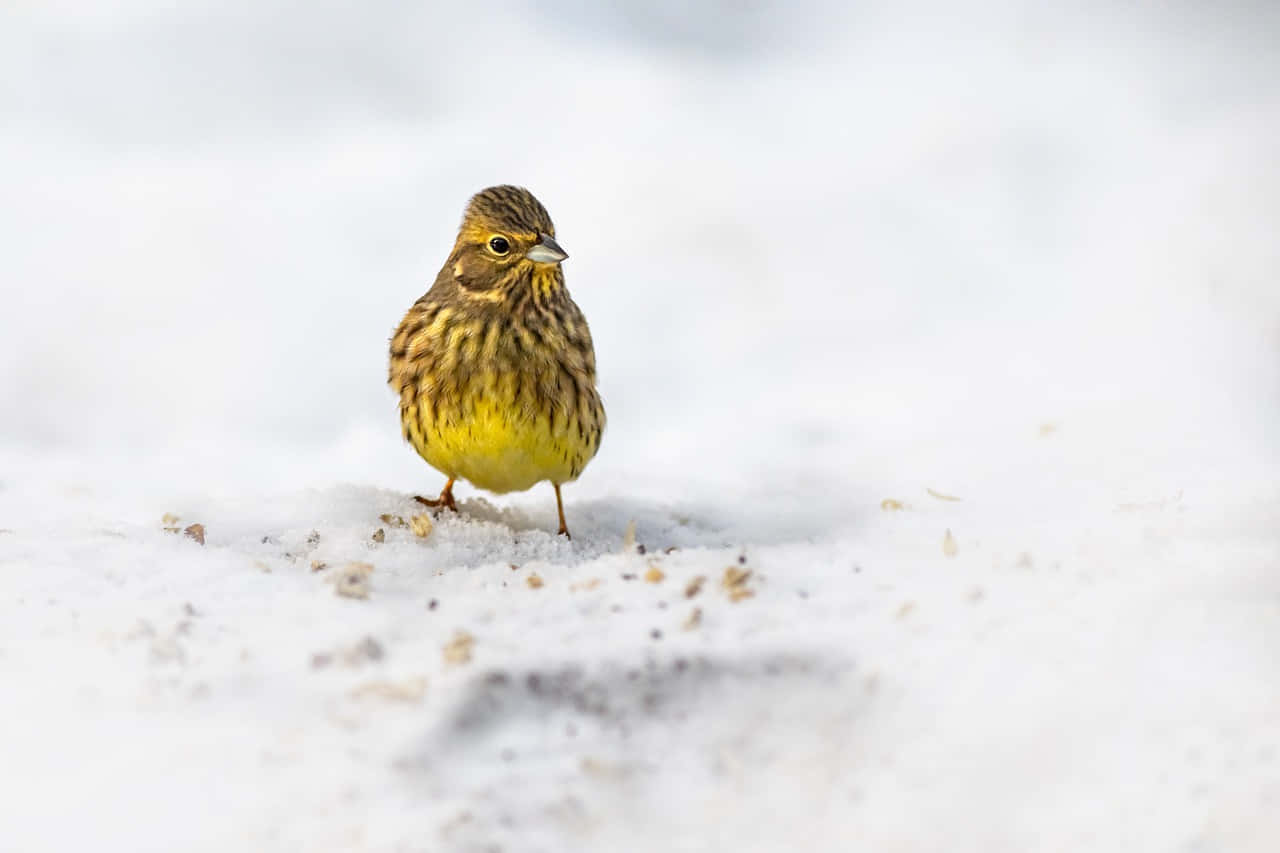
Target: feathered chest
(501, 399)
(447, 358)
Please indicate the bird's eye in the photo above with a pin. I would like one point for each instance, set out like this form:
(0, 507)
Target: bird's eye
(499, 245)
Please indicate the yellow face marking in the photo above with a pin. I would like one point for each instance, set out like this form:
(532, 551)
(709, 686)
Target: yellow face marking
(492, 295)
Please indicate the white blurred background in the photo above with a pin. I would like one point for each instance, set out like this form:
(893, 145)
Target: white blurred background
(831, 254)
(803, 234)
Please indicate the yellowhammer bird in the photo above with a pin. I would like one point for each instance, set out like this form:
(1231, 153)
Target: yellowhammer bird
(494, 365)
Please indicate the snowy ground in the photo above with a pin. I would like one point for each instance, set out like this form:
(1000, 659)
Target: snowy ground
(840, 266)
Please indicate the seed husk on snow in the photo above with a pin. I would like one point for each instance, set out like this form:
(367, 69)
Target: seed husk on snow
(352, 581)
(410, 690)
(421, 525)
(735, 583)
(949, 546)
(458, 649)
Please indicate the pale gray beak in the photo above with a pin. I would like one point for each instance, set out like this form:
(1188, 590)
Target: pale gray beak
(547, 251)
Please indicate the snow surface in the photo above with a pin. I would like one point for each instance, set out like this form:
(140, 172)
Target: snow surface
(831, 256)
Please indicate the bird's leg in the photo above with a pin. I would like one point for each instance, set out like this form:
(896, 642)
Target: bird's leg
(445, 500)
(564, 530)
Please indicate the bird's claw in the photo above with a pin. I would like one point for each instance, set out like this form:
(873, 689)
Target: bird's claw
(444, 501)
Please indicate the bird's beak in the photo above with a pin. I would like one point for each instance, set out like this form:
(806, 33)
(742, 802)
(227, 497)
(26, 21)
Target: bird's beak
(547, 251)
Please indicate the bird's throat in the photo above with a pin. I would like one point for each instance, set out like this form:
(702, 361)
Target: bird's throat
(547, 282)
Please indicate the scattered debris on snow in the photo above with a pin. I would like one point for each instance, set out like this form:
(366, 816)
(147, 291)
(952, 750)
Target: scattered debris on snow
(366, 650)
(949, 546)
(194, 531)
(352, 581)
(410, 690)
(458, 649)
(735, 583)
(421, 525)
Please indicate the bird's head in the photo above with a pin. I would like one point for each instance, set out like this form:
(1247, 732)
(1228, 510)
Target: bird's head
(506, 234)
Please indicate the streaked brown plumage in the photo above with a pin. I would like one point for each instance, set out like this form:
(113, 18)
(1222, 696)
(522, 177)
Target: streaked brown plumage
(494, 366)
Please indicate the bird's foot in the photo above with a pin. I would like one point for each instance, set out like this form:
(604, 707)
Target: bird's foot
(444, 501)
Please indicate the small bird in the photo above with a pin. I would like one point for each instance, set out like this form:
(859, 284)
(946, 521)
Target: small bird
(494, 365)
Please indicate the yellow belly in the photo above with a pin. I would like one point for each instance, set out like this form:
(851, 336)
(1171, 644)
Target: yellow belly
(497, 447)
